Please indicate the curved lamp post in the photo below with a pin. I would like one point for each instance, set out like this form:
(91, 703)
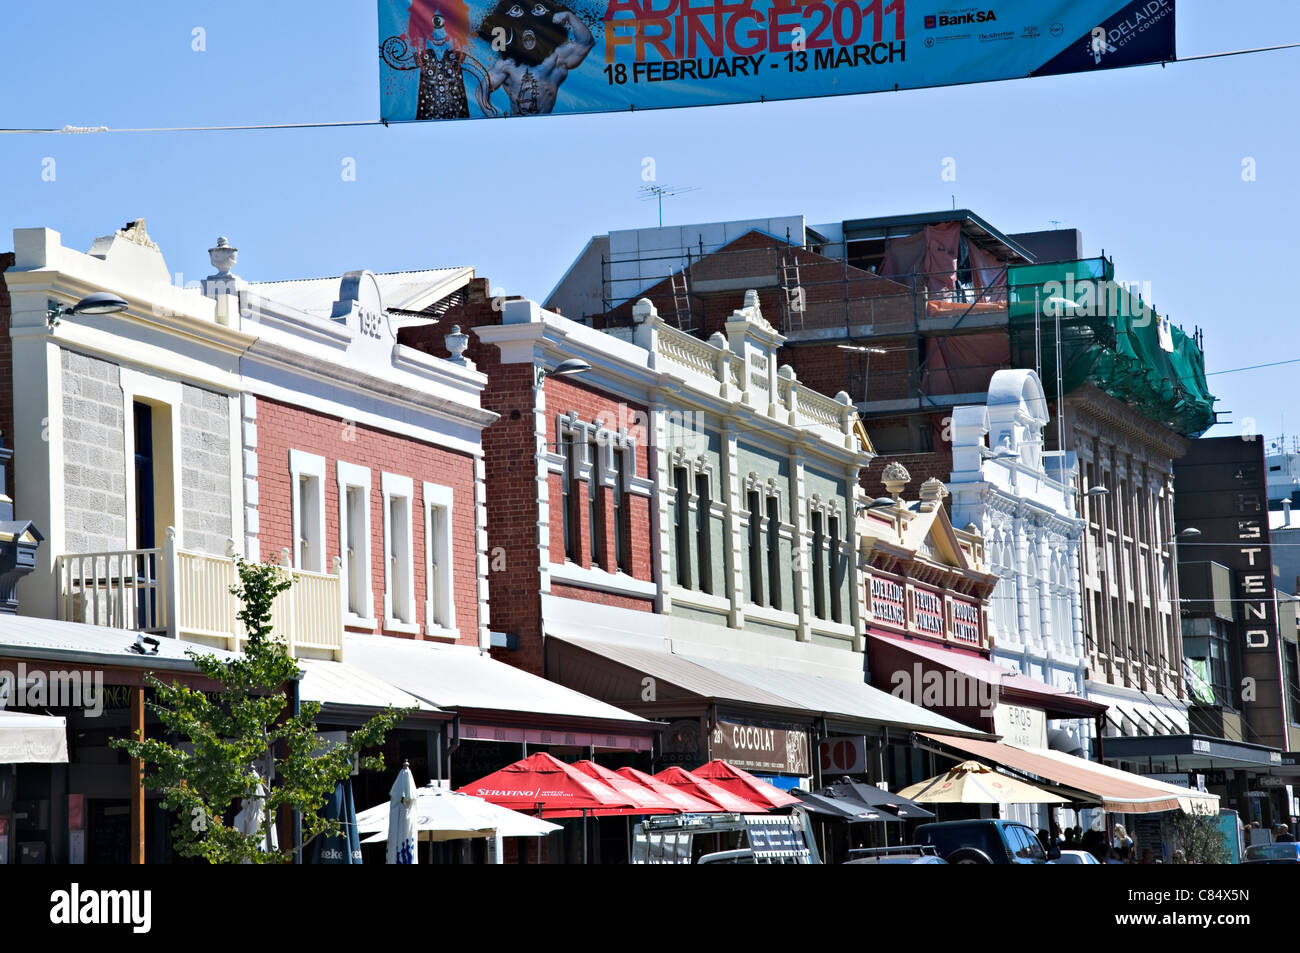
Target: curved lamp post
(101, 302)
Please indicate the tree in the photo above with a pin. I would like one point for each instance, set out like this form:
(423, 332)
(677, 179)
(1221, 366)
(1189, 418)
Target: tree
(224, 736)
(1198, 836)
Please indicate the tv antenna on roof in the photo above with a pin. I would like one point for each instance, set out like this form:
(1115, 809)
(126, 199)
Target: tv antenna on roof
(658, 192)
(1054, 222)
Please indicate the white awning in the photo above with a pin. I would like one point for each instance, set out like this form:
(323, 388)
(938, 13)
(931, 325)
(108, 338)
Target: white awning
(459, 676)
(342, 685)
(32, 739)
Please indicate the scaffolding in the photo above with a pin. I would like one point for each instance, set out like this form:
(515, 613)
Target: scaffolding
(944, 333)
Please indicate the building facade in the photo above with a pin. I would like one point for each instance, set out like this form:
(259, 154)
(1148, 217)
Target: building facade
(1007, 486)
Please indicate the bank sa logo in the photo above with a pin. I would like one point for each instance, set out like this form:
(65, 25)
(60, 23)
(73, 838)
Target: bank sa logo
(960, 19)
(931, 22)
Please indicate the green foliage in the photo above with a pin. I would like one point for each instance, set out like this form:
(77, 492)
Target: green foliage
(1198, 836)
(223, 736)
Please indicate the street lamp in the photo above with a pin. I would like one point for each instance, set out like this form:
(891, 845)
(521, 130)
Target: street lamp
(1190, 532)
(101, 302)
(567, 368)
(879, 503)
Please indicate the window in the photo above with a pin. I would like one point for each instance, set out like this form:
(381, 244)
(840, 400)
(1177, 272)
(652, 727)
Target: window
(682, 525)
(755, 548)
(439, 603)
(595, 509)
(703, 538)
(354, 541)
(624, 462)
(399, 567)
(307, 478)
(774, 552)
(836, 569)
(567, 493)
(1291, 660)
(818, 566)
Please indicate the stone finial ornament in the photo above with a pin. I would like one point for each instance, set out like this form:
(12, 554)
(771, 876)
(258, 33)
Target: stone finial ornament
(456, 343)
(932, 493)
(137, 233)
(895, 478)
(223, 256)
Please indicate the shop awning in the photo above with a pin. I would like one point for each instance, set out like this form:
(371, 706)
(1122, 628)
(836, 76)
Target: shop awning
(488, 694)
(1012, 687)
(595, 665)
(32, 739)
(342, 689)
(1115, 790)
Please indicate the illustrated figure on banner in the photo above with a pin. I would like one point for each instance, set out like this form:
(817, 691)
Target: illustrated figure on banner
(537, 43)
(436, 43)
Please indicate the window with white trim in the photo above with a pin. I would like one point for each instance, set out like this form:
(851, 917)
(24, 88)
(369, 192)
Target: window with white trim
(307, 479)
(354, 542)
(399, 567)
(439, 603)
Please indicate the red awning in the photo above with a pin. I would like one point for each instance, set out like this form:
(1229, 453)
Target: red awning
(744, 784)
(710, 791)
(685, 801)
(543, 783)
(889, 654)
(646, 800)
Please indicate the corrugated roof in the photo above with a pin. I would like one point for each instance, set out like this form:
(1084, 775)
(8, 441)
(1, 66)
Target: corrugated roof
(54, 639)
(459, 676)
(403, 290)
(774, 688)
(339, 684)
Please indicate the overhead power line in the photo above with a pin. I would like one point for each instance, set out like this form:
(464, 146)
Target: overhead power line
(92, 130)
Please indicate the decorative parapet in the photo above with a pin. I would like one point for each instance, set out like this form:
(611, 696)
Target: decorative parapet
(741, 367)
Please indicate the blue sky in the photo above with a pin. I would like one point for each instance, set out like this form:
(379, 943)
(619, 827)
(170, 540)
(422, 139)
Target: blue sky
(1147, 162)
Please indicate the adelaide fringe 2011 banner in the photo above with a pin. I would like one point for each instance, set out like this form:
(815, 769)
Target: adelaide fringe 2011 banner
(473, 59)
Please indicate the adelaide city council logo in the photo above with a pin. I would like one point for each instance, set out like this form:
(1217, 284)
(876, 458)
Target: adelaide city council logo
(929, 41)
(1056, 29)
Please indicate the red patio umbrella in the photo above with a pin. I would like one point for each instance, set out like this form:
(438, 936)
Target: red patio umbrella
(684, 800)
(647, 800)
(744, 784)
(704, 788)
(543, 783)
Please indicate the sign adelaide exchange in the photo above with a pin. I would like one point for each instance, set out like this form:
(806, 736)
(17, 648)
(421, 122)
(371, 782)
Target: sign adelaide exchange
(473, 59)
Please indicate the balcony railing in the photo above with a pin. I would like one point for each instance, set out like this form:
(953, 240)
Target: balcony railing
(172, 592)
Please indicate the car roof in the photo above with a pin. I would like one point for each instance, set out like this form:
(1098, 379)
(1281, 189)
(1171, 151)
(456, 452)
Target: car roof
(999, 821)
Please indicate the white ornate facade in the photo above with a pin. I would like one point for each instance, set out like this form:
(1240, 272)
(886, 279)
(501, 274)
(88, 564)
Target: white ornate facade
(1013, 493)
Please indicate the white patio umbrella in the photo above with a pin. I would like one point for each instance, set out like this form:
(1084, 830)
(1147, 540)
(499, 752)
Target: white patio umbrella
(442, 815)
(252, 815)
(401, 819)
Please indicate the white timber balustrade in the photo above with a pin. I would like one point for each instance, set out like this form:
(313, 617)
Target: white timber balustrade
(181, 594)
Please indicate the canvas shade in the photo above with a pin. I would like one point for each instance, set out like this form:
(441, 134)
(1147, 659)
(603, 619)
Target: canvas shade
(744, 784)
(442, 815)
(873, 797)
(1115, 790)
(709, 791)
(842, 809)
(541, 782)
(686, 802)
(646, 800)
(401, 820)
(974, 783)
(33, 739)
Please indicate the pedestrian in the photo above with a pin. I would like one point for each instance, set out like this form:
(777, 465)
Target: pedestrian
(1122, 843)
(1180, 857)
(1147, 856)
(1284, 835)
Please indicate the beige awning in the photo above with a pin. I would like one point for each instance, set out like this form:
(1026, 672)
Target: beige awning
(1116, 790)
(32, 739)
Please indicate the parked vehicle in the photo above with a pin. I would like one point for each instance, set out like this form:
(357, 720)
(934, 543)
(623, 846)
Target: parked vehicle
(1286, 852)
(725, 839)
(989, 841)
(901, 854)
(1075, 857)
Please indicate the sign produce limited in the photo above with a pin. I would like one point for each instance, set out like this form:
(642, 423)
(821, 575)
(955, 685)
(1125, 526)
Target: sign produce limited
(453, 59)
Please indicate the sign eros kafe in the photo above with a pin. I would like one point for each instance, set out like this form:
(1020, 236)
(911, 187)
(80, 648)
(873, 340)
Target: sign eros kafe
(474, 59)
